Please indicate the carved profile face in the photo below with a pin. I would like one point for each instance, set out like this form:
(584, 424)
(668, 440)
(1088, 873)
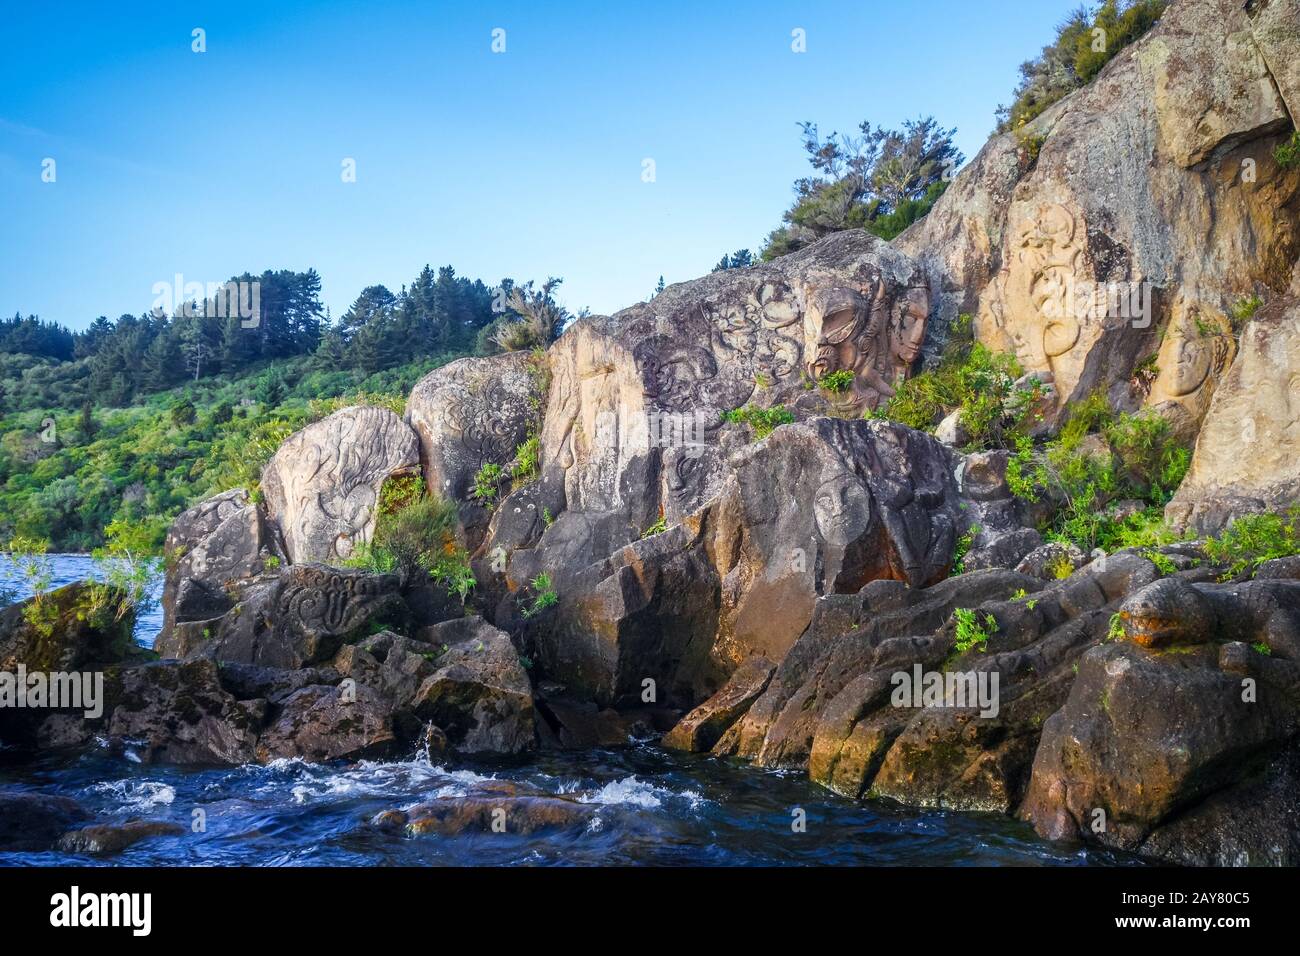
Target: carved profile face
(840, 315)
(842, 507)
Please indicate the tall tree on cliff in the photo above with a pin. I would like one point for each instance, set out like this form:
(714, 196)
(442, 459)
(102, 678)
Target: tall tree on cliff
(881, 180)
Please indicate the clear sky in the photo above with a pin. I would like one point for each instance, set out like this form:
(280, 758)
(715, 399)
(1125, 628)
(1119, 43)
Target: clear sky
(526, 163)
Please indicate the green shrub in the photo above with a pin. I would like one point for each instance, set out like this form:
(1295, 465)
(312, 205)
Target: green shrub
(659, 527)
(976, 381)
(1244, 310)
(761, 421)
(1253, 539)
(837, 382)
(1288, 154)
(971, 631)
(527, 465)
(452, 570)
(487, 484)
(1077, 55)
(544, 596)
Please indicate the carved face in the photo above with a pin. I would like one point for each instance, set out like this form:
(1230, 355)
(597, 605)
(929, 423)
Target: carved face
(842, 507)
(842, 316)
(908, 330)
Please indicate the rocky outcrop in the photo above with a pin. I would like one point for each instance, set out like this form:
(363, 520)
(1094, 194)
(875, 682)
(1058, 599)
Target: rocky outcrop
(1246, 452)
(76, 627)
(469, 413)
(212, 550)
(1146, 735)
(1147, 200)
(1175, 612)
(322, 485)
(299, 617)
(818, 507)
(700, 729)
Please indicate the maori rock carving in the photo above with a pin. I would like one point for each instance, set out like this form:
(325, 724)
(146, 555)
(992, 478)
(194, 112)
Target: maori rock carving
(323, 484)
(469, 413)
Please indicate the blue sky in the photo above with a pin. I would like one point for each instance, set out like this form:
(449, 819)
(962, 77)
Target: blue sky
(525, 164)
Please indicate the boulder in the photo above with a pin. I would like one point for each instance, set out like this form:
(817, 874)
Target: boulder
(1146, 734)
(322, 486)
(102, 839)
(299, 617)
(76, 627)
(212, 549)
(479, 694)
(320, 723)
(178, 712)
(1137, 204)
(35, 821)
(1248, 445)
(504, 813)
(469, 413)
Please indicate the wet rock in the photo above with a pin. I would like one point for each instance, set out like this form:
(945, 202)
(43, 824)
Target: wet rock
(479, 694)
(106, 839)
(700, 729)
(503, 813)
(329, 723)
(322, 485)
(34, 821)
(178, 712)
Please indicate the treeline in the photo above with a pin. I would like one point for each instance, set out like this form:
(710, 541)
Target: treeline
(114, 363)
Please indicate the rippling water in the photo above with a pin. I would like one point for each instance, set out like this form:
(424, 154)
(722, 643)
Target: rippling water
(650, 806)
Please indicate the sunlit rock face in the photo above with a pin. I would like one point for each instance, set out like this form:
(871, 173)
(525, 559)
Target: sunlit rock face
(467, 414)
(322, 486)
(648, 387)
(1248, 447)
(1105, 227)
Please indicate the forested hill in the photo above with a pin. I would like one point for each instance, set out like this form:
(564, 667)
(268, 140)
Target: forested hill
(133, 419)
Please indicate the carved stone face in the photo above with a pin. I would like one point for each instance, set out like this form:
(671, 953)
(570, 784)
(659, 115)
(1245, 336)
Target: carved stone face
(841, 315)
(908, 330)
(842, 507)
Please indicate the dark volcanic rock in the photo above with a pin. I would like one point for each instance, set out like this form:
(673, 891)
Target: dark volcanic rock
(178, 712)
(105, 839)
(34, 821)
(299, 618)
(213, 549)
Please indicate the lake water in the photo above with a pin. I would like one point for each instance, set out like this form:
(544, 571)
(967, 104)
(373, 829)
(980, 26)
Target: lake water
(67, 568)
(648, 806)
